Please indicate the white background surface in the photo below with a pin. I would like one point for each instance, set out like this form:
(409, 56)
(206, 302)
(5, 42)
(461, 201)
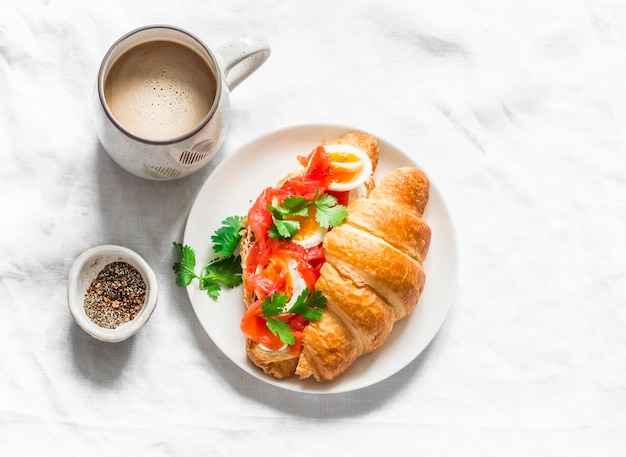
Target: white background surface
(515, 109)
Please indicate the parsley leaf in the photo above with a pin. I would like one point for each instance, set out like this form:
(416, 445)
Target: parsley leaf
(227, 237)
(274, 305)
(328, 214)
(221, 272)
(226, 271)
(308, 306)
(282, 329)
(284, 229)
(296, 206)
(185, 268)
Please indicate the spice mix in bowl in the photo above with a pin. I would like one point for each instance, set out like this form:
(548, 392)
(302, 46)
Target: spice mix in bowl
(112, 292)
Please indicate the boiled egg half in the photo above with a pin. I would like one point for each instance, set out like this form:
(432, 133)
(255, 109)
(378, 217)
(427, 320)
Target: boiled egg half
(284, 267)
(351, 166)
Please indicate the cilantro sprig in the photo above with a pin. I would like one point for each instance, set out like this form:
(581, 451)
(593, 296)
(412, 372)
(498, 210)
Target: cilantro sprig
(221, 272)
(327, 214)
(227, 237)
(308, 305)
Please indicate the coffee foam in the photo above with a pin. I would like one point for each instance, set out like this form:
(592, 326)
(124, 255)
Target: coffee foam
(160, 90)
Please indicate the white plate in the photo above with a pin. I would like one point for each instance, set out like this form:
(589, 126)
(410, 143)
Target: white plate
(232, 188)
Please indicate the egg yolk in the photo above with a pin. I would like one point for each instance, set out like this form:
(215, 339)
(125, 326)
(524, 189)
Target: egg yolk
(278, 272)
(308, 227)
(346, 166)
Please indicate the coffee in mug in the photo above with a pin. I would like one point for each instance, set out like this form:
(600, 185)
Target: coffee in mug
(160, 90)
(162, 98)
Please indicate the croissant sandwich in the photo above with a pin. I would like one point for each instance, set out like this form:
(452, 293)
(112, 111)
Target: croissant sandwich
(331, 261)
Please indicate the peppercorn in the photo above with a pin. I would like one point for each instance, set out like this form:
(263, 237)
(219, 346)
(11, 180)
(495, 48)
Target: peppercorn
(115, 296)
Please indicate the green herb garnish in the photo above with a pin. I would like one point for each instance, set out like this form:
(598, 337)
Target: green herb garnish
(308, 306)
(225, 271)
(327, 214)
(227, 237)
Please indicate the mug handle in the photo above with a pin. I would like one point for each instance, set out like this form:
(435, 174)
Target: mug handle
(242, 57)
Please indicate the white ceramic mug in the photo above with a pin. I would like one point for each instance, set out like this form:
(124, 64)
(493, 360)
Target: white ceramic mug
(161, 101)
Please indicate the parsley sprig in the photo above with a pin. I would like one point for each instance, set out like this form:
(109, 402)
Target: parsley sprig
(308, 305)
(327, 214)
(221, 272)
(227, 237)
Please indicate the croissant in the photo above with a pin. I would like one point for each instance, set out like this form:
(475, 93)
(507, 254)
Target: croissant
(372, 277)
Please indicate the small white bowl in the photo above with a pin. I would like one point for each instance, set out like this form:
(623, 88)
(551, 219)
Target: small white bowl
(85, 269)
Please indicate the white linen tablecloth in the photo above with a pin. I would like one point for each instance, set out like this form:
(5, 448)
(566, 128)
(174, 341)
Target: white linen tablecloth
(516, 110)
